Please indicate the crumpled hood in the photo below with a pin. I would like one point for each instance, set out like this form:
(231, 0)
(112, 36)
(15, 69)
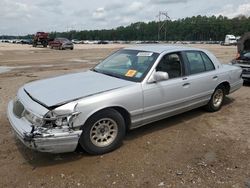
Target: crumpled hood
(62, 89)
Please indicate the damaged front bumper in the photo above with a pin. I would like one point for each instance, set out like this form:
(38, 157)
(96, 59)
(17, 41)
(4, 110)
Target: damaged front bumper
(57, 140)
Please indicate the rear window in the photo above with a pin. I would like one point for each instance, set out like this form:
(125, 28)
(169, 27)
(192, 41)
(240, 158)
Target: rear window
(196, 63)
(199, 62)
(208, 63)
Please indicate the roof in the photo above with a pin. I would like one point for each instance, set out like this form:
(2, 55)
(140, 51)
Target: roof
(230, 36)
(159, 48)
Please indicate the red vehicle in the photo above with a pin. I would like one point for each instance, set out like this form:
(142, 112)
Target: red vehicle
(61, 44)
(41, 38)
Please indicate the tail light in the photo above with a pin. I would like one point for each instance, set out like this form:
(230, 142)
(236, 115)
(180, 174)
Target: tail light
(238, 56)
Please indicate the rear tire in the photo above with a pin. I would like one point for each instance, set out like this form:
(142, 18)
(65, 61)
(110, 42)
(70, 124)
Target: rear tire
(103, 132)
(216, 100)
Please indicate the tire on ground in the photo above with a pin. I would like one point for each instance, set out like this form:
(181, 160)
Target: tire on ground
(217, 99)
(87, 142)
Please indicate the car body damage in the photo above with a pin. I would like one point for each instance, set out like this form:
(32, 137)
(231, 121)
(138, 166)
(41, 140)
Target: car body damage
(243, 56)
(131, 88)
(41, 129)
(51, 115)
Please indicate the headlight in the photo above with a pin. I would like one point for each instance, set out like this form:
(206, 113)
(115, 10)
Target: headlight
(61, 121)
(32, 118)
(54, 120)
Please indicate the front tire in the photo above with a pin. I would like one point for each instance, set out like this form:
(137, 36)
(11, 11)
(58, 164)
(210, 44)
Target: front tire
(216, 100)
(103, 132)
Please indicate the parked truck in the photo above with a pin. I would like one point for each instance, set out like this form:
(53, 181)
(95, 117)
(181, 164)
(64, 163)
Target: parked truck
(41, 38)
(229, 40)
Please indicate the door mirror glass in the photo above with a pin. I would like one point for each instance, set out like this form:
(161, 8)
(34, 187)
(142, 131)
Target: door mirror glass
(158, 76)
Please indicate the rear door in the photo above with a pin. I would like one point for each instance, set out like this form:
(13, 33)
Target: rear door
(202, 78)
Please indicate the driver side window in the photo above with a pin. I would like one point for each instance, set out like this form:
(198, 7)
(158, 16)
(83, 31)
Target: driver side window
(171, 63)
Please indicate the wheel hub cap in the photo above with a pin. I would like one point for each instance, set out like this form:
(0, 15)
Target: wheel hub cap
(218, 98)
(103, 132)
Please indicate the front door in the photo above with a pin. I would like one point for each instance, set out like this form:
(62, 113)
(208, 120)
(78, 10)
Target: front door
(167, 97)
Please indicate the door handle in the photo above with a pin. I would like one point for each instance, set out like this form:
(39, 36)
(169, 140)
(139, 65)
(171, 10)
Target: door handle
(186, 84)
(215, 77)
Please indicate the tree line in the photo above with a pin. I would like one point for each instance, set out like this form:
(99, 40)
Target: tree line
(196, 28)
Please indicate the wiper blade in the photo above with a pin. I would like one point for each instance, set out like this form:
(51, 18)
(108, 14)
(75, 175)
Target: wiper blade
(106, 73)
(113, 75)
(95, 70)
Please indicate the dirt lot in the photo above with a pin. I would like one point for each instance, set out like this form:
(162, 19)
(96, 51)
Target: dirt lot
(194, 149)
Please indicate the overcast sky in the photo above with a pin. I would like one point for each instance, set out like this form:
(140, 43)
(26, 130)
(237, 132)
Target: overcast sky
(19, 17)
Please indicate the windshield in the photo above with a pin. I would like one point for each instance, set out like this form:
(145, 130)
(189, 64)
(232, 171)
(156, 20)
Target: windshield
(130, 65)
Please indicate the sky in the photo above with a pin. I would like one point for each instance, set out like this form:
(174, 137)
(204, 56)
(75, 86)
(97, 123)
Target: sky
(21, 17)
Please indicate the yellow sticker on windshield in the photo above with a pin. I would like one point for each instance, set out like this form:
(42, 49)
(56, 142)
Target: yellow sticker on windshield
(131, 73)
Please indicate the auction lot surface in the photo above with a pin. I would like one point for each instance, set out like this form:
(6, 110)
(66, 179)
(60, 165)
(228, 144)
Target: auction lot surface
(194, 149)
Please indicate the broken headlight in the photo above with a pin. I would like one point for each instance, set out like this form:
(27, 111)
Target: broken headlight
(54, 120)
(61, 121)
(33, 119)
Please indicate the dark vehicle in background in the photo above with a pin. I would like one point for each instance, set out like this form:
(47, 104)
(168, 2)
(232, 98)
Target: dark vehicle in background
(41, 38)
(26, 41)
(243, 56)
(6, 41)
(61, 44)
(102, 42)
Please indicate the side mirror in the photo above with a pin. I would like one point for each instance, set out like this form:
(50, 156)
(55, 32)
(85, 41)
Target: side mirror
(158, 76)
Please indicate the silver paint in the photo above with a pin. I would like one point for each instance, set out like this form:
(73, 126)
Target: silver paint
(88, 92)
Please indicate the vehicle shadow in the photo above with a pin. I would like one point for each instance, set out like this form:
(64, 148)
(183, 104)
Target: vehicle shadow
(163, 124)
(39, 46)
(171, 121)
(39, 159)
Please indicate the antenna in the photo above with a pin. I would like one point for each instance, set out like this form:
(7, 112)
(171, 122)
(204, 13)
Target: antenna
(162, 24)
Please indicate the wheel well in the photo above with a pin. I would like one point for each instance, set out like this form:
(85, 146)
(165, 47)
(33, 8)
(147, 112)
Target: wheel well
(125, 114)
(226, 85)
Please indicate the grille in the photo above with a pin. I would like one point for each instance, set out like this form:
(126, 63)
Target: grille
(244, 62)
(246, 70)
(18, 108)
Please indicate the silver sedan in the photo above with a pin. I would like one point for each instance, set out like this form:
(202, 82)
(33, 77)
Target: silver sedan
(132, 87)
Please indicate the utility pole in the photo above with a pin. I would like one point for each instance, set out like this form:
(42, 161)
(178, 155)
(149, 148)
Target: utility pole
(162, 16)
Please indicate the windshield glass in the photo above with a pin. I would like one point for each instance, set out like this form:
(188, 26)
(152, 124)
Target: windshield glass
(130, 65)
